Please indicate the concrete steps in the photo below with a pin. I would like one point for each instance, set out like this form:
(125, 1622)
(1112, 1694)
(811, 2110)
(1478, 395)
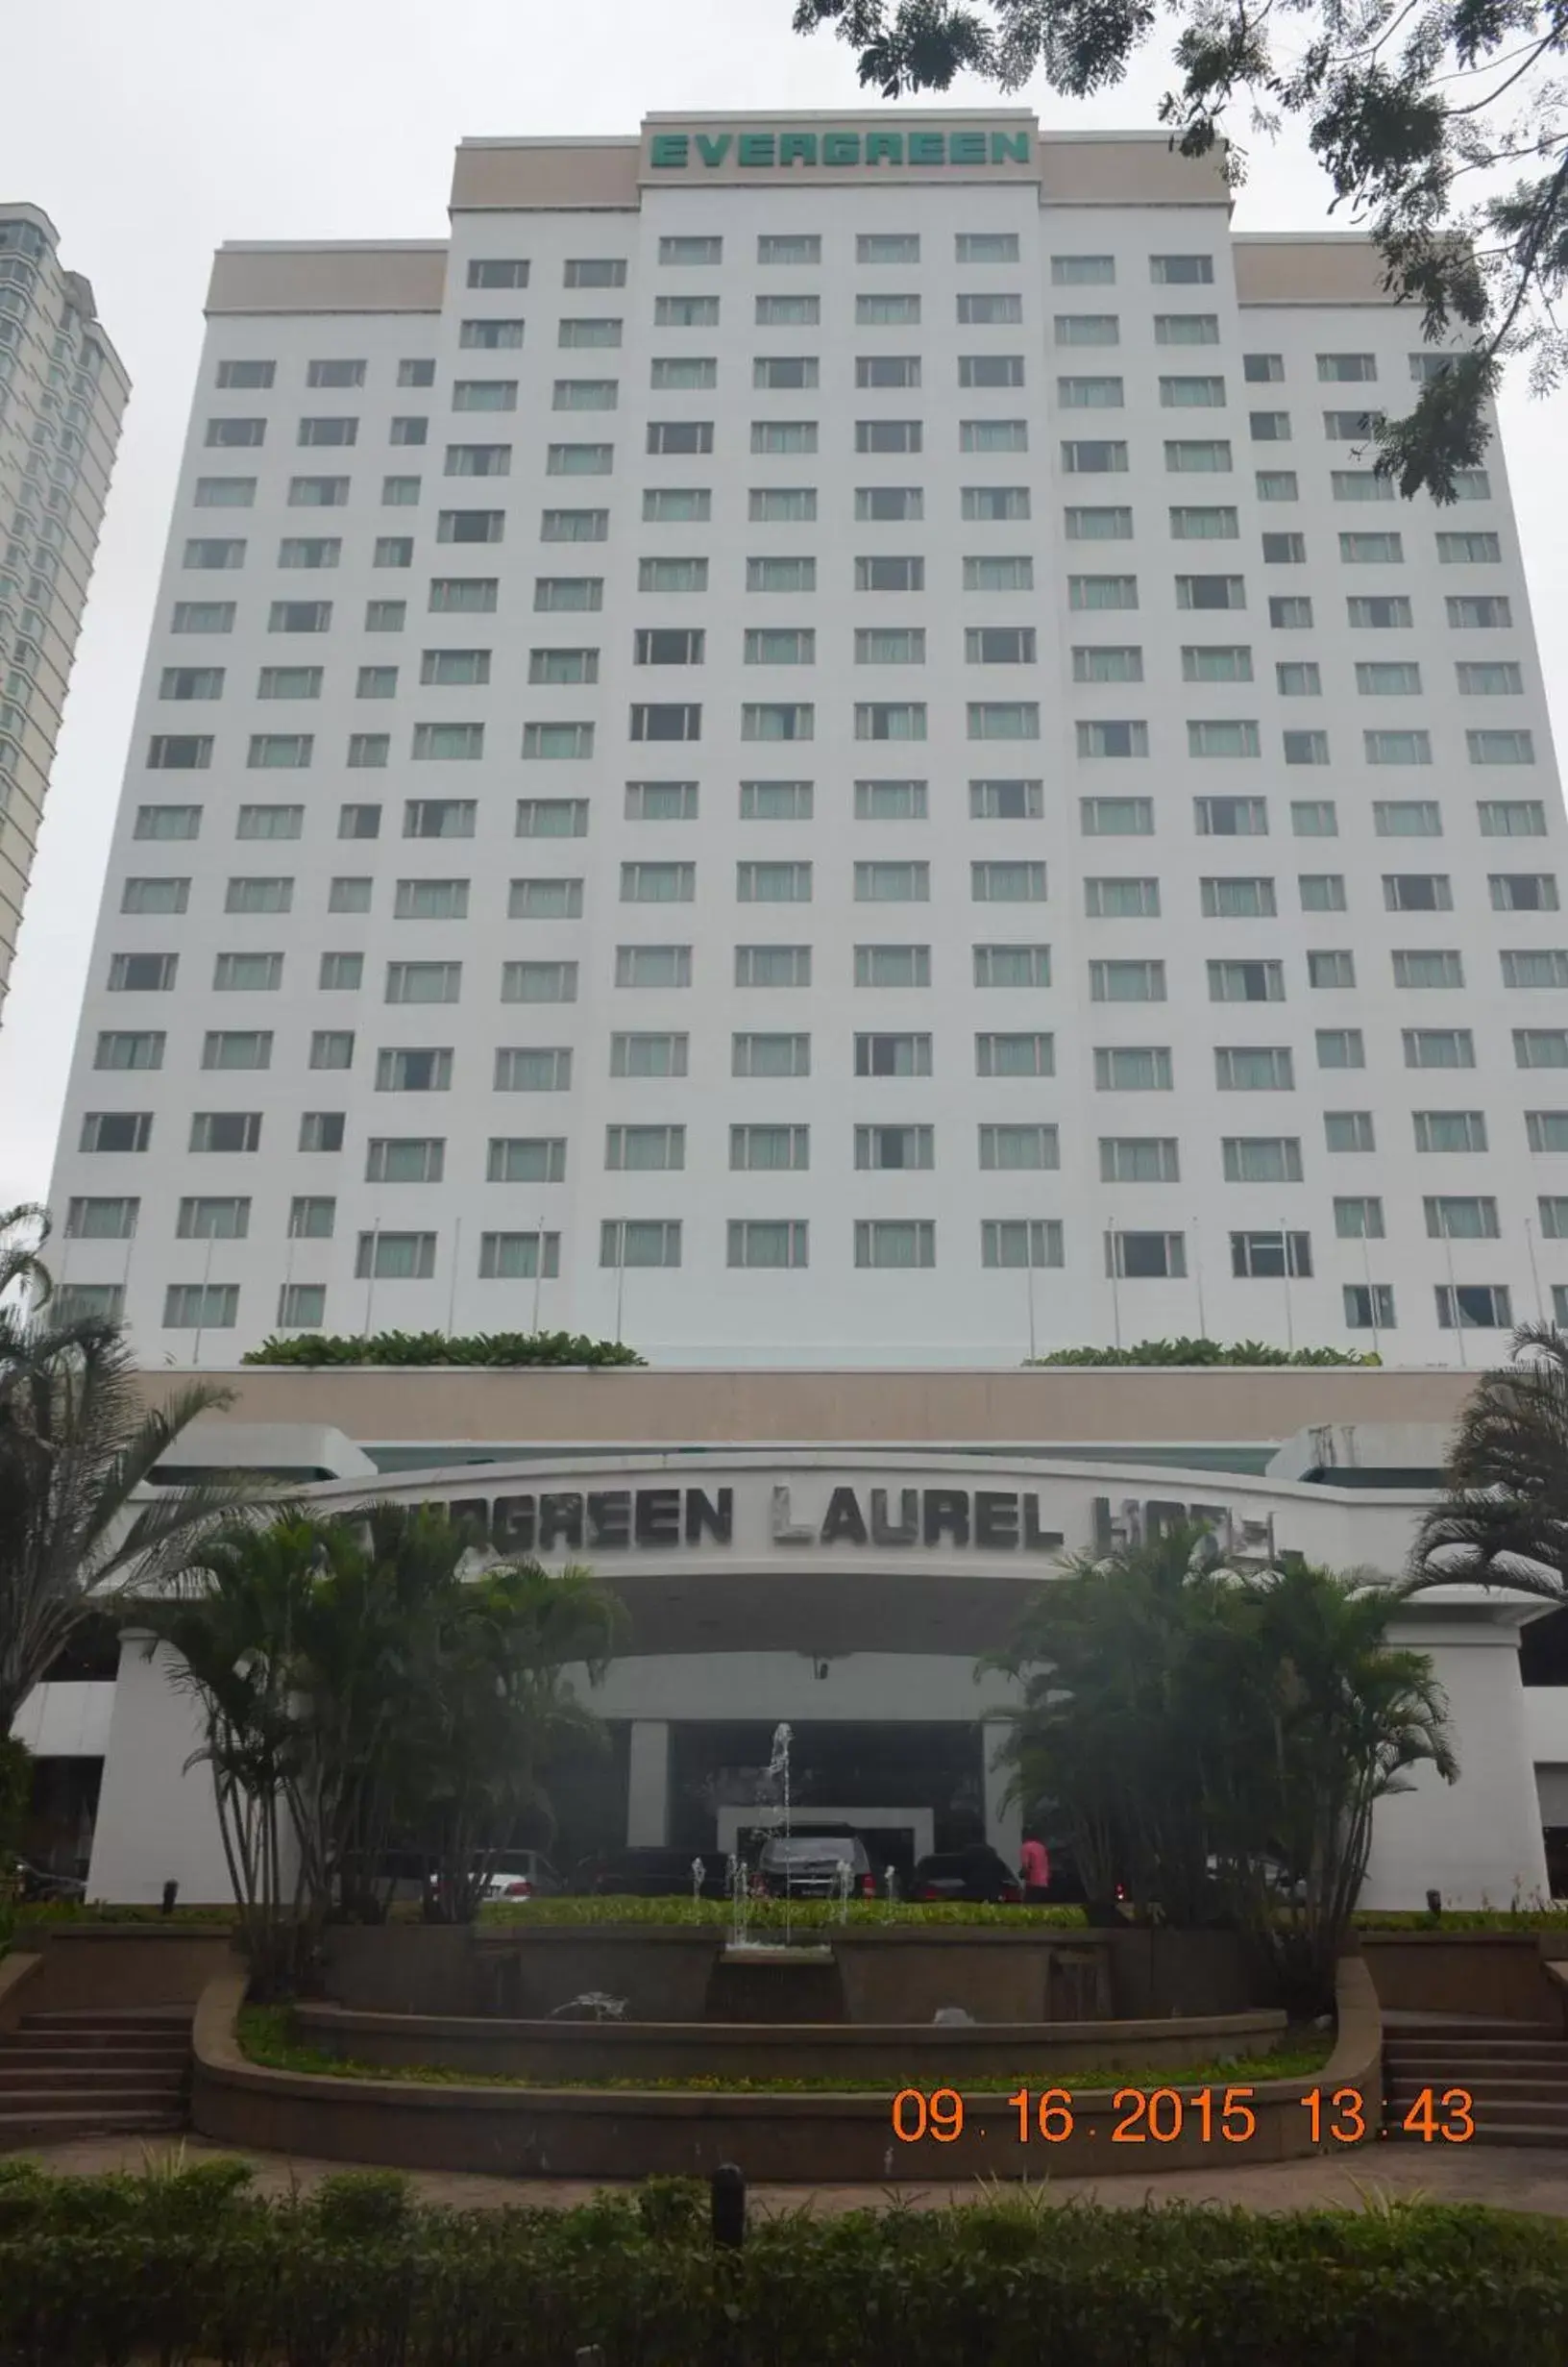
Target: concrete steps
(91, 2074)
(1516, 2075)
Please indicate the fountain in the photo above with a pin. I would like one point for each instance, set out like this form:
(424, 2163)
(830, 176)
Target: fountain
(778, 1770)
(698, 1872)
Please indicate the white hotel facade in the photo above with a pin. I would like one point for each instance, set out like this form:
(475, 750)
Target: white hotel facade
(812, 742)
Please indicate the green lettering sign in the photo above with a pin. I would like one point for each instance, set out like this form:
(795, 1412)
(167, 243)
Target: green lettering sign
(763, 151)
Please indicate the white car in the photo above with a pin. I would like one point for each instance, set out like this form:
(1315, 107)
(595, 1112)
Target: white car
(522, 1874)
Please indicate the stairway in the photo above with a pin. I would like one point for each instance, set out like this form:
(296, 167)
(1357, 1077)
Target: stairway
(1516, 2073)
(93, 2073)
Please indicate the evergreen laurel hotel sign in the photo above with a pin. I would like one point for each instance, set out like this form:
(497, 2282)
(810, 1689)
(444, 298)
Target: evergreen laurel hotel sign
(768, 151)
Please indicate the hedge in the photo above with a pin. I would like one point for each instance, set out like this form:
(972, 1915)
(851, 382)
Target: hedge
(1187, 1352)
(192, 2266)
(772, 1915)
(508, 1348)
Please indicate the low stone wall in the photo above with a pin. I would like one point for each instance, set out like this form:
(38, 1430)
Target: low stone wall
(901, 2054)
(1496, 1974)
(811, 2138)
(19, 1988)
(110, 1964)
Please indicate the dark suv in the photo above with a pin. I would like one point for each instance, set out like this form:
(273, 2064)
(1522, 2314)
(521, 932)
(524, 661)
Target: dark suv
(978, 1873)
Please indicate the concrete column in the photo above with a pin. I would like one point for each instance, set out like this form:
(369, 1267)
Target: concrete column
(648, 1784)
(1004, 1826)
(157, 1821)
(1478, 1841)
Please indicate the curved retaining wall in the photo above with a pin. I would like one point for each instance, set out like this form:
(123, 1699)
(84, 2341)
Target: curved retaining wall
(818, 2138)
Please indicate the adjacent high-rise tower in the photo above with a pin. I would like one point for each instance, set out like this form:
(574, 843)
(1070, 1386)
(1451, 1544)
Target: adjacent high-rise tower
(815, 741)
(63, 393)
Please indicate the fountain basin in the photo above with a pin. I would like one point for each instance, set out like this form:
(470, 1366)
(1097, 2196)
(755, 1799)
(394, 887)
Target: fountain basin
(768, 1952)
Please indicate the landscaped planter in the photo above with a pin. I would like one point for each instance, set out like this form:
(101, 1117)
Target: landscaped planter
(1495, 1974)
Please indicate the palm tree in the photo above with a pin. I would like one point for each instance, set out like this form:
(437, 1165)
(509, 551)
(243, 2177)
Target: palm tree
(77, 1445)
(21, 1262)
(1504, 1520)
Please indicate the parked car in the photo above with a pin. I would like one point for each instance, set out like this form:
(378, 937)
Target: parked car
(974, 1873)
(654, 1874)
(806, 1865)
(523, 1874)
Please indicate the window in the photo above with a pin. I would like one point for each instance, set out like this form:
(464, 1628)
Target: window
(1396, 679)
(1223, 739)
(155, 896)
(1554, 1215)
(672, 576)
(678, 438)
(551, 818)
(269, 822)
(593, 271)
(1504, 818)
(1145, 1257)
(891, 801)
(773, 576)
(639, 966)
(527, 1068)
(424, 981)
(893, 1056)
(893, 965)
(224, 492)
(661, 800)
(1540, 1048)
(1018, 1150)
(233, 374)
(1013, 965)
(1349, 1130)
(890, 575)
(248, 972)
(1090, 394)
(1127, 981)
(1262, 1158)
(1269, 427)
(888, 247)
(1331, 969)
(257, 896)
(1227, 817)
(341, 972)
(170, 752)
(1262, 1257)
(1493, 677)
(116, 1131)
(542, 741)
(772, 884)
(331, 1047)
(213, 1219)
(792, 646)
(880, 1148)
(1478, 612)
(770, 1241)
(394, 1257)
(1547, 1129)
(899, 1242)
(772, 965)
(1450, 1130)
(1284, 549)
(526, 1159)
(649, 1055)
(1364, 484)
(235, 434)
(328, 492)
(1407, 818)
(1499, 747)
(775, 800)
(1371, 550)
(893, 505)
(1438, 1047)
(496, 394)
(1080, 525)
(1427, 970)
(1276, 484)
(760, 1149)
(212, 553)
(225, 1130)
(676, 506)
(531, 982)
(555, 525)
(1254, 1067)
(1523, 892)
(1462, 1218)
(783, 506)
(1417, 892)
(1112, 739)
(1133, 1068)
(1191, 393)
(782, 373)
(784, 437)
(129, 1049)
(201, 1306)
(102, 1219)
(1134, 1158)
(1121, 899)
(1474, 1306)
(468, 595)
(1246, 982)
(899, 436)
(1087, 328)
(658, 883)
(771, 1055)
(400, 1071)
(1341, 1048)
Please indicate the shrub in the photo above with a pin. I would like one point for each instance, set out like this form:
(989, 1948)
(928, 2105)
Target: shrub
(1007, 2283)
(1206, 1352)
(355, 2206)
(510, 1348)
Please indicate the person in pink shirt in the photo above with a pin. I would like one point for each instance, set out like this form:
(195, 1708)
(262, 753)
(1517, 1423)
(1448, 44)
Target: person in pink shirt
(1035, 1871)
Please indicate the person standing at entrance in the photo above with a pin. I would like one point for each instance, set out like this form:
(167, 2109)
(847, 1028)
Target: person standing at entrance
(1035, 1871)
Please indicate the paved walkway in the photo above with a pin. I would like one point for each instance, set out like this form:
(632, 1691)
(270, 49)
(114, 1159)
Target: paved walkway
(1524, 2179)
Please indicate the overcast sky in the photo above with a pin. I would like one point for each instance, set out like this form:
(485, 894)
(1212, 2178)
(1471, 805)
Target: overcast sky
(152, 134)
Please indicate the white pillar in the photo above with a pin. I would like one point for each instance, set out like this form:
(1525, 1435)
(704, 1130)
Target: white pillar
(1477, 1841)
(648, 1784)
(1004, 1826)
(157, 1821)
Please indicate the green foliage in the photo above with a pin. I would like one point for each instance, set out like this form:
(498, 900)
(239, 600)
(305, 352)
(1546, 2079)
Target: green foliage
(360, 1690)
(1189, 1352)
(1503, 1520)
(1440, 129)
(362, 2207)
(770, 1914)
(1005, 2282)
(271, 2037)
(510, 1349)
(1217, 1740)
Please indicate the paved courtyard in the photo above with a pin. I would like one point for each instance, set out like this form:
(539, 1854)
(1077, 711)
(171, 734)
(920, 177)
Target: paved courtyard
(1524, 2179)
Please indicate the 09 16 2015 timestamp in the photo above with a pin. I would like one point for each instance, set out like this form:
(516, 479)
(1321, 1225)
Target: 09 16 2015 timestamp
(1205, 2115)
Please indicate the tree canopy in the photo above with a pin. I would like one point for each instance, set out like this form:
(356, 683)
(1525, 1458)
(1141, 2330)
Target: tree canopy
(1440, 127)
(1502, 1519)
